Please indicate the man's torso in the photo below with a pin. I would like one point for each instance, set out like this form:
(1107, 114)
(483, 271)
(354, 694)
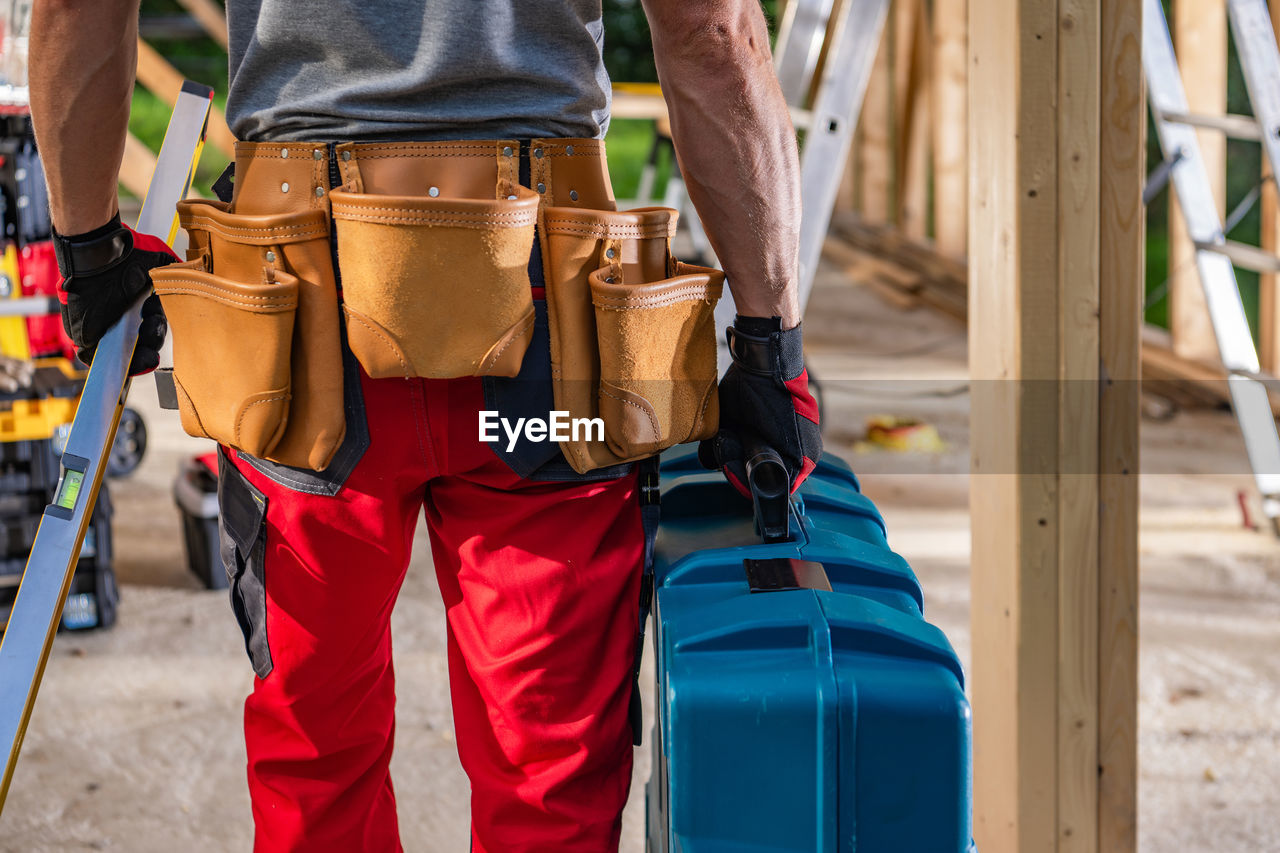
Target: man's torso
(322, 70)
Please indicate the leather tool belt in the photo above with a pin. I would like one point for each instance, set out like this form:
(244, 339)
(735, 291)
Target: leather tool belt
(433, 243)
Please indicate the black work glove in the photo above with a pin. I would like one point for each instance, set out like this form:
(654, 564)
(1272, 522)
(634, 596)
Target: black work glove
(103, 273)
(764, 400)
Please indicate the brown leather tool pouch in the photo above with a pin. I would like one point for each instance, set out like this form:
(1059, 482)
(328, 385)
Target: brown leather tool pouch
(254, 313)
(437, 287)
(632, 333)
(231, 344)
(657, 358)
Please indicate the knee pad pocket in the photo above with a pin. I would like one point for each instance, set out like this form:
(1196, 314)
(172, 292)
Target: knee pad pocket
(242, 535)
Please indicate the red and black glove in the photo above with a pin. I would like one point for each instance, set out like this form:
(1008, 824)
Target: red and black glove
(764, 401)
(103, 273)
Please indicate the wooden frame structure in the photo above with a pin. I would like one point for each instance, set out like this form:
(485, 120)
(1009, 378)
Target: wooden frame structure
(1044, 197)
(1056, 256)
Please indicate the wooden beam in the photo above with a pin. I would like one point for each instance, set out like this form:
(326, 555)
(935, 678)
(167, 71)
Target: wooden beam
(1040, 288)
(137, 166)
(164, 81)
(1122, 147)
(948, 126)
(1200, 43)
(875, 153)
(1268, 298)
(911, 116)
(1078, 215)
(211, 16)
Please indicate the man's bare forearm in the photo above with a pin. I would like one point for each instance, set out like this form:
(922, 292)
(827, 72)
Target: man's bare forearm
(736, 144)
(83, 58)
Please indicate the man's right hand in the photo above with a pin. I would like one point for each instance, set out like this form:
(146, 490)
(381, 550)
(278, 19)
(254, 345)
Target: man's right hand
(104, 271)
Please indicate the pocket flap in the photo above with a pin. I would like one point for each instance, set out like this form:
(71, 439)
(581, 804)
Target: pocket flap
(243, 507)
(518, 210)
(273, 229)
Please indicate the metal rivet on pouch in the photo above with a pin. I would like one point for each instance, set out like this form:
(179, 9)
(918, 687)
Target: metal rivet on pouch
(537, 152)
(610, 254)
(346, 155)
(511, 198)
(284, 152)
(542, 187)
(433, 192)
(568, 149)
(284, 188)
(271, 257)
(317, 154)
(319, 192)
(573, 194)
(506, 151)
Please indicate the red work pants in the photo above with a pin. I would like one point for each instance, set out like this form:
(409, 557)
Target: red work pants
(541, 584)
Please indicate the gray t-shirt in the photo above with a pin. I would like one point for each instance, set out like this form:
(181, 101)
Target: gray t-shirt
(325, 70)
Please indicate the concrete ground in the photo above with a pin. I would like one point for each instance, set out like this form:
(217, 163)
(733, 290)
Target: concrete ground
(135, 743)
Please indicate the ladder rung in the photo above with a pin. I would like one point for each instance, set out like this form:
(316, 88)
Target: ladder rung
(801, 118)
(1244, 256)
(1237, 126)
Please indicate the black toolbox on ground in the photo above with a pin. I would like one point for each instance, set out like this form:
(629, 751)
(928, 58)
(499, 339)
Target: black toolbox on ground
(195, 493)
(94, 596)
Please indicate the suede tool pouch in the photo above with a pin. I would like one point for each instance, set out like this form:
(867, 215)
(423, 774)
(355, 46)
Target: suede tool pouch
(617, 330)
(230, 353)
(657, 359)
(437, 287)
(255, 250)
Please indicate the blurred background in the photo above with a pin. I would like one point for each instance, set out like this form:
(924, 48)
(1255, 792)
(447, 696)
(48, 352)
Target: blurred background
(135, 744)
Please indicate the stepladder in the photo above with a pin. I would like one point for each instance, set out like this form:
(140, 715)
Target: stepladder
(1216, 257)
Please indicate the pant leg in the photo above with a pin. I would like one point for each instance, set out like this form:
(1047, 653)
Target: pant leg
(319, 724)
(541, 583)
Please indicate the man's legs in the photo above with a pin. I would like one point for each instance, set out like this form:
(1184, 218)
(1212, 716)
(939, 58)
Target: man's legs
(319, 725)
(541, 581)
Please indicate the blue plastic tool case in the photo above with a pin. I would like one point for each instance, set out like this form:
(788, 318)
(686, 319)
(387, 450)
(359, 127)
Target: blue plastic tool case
(798, 719)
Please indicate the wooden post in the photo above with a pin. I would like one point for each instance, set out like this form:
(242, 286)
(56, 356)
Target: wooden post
(949, 127)
(911, 116)
(1200, 43)
(1055, 251)
(1268, 303)
(1122, 146)
(875, 154)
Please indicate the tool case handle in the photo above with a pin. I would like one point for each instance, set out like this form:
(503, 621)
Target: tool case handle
(770, 487)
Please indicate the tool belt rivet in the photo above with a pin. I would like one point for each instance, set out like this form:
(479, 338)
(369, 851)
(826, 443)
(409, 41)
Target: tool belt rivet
(271, 257)
(346, 155)
(319, 192)
(573, 195)
(542, 187)
(568, 149)
(284, 153)
(284, 188)
(317, 154)
(434, 192)
(537, 152)
(610, 253)
(506, 151)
